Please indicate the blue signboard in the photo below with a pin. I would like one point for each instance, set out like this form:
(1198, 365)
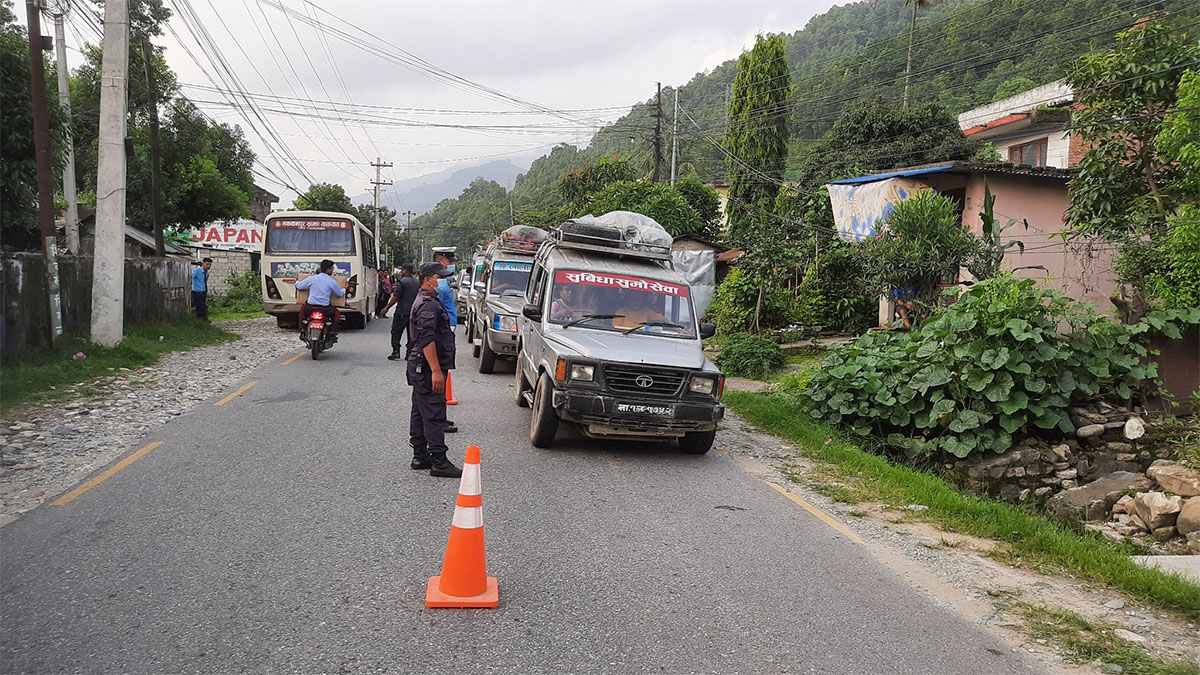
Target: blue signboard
(505, 266)
(290, 270)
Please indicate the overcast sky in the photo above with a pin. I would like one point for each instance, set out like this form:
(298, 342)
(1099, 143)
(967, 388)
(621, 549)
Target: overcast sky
(589, 60)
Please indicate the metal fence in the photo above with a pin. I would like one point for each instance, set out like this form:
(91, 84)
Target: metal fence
(156, 289)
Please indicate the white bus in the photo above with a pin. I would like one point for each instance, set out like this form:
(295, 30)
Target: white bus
(294, 245)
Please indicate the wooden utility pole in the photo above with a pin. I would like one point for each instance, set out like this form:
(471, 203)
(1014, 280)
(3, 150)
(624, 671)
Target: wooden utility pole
(42, 150)
(64, 100)
(657, 172)
(675, 138)
(160, 248)
(108, 272)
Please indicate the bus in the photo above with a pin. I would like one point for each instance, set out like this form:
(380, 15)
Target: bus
(295, 242)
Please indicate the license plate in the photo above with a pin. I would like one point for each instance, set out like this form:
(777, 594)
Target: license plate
(643, 409)
(316, 326)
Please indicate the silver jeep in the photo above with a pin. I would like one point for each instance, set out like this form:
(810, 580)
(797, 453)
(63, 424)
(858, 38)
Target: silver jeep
(608, 339)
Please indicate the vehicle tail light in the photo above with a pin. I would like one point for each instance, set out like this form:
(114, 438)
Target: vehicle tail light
(272, 290)
(352, 286)
(317, 316)
(560, 372)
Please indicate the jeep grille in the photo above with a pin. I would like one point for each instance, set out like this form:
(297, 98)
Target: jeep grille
(634, 380)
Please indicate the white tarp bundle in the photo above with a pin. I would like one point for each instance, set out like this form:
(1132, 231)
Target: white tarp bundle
(636, 231)
(700, 270)
(859, 209)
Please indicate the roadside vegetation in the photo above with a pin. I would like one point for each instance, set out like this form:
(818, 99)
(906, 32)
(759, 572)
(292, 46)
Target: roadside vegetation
(1029, 539)
(1092, 642)
(241, 300)
(37, 375)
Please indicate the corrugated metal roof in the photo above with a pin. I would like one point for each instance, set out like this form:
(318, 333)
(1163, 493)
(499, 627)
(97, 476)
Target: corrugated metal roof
(871, 178)
(147, 240)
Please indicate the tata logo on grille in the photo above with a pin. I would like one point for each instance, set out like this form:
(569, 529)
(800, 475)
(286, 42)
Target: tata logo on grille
(644, 381)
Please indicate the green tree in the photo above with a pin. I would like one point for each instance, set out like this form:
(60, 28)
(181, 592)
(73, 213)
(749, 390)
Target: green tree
(18, 166)
(578, 185)
(1137, 181)
(325, 197)
(705, 201)
(657, 200)
(757, 136)
(201, 194)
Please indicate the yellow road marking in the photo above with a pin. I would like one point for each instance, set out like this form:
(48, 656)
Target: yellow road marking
(236, 394)
(289, 361)
(70, 496)
(818, 513)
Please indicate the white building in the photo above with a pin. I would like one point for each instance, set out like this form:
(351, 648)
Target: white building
(1029, 128)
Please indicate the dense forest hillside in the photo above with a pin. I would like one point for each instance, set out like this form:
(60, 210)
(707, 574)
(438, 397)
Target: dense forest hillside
(965, 53)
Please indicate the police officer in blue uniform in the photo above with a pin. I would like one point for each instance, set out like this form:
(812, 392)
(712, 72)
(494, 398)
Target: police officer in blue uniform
(430, 357)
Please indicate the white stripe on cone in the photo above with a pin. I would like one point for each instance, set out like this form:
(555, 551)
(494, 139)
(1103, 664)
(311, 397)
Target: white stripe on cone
(470, 484)
(468, 517)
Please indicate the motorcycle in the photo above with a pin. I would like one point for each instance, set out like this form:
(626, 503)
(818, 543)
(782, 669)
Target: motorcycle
(317, 332)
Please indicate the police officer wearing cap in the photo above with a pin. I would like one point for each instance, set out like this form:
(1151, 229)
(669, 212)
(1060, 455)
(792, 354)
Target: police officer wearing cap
(430, 356)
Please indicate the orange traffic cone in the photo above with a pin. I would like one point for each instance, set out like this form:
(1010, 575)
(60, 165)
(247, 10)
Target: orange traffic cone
(450, 400)
(464, 581)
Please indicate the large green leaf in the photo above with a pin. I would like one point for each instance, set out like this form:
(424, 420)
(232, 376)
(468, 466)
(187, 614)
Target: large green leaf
(978, 380)
(999, 389)
(1018, 400)
(967, 420)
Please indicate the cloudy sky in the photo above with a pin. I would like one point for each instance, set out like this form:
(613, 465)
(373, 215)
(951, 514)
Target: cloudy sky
(429, 86)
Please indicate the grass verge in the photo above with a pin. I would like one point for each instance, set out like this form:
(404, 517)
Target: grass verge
(1084, 641)
(1032, 539)
(33, 375)
(231, 311)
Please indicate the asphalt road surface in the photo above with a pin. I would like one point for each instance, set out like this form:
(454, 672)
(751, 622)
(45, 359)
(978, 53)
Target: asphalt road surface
(284, 532)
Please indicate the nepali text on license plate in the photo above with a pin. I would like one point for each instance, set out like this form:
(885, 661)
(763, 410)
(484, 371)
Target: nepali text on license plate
(641, 409)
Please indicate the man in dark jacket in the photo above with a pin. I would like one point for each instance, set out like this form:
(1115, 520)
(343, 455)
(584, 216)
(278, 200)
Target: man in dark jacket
(430, 358)
(403, 295)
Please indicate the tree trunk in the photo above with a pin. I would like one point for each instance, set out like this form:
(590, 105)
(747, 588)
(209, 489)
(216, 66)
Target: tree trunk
(912, 28)
(758, 307)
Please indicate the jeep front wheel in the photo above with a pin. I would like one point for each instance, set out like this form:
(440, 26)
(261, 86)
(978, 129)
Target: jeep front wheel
(543, 424)
(697, 442)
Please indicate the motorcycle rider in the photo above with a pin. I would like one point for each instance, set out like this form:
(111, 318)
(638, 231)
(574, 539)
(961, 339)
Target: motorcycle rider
(321, 289)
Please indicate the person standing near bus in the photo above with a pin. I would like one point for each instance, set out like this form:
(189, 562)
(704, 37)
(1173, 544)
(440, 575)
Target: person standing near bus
(445, 256)
(405, 294)
(430, 359)
(200, 288)
(321, 290)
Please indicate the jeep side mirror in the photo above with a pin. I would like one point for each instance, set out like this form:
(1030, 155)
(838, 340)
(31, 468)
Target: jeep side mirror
(707, 330)
(532, 312)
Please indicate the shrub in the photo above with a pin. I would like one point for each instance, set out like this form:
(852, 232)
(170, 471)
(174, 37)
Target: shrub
(747, 355)
(990, 366)
(733, 304)
(243, 293)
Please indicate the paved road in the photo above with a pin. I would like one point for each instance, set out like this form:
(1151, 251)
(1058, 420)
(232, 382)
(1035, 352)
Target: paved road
(283, 532)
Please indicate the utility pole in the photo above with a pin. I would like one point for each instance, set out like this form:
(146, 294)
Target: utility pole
(376, 184)
(108, 272)
(42, 150)
(675, 138)
(512, 215)
(408, 215)
(64, 99)
(657, 172)
(160, 248)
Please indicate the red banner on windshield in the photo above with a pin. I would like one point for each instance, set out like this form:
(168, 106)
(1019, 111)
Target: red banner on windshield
(311, 224)
(621, 281)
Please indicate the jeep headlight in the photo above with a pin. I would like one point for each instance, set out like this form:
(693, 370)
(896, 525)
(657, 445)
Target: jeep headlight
(703, 385)
(582, 373)
(504, 323)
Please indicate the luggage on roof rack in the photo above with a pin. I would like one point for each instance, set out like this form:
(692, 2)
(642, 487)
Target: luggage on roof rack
(616, 233)
(522, 238)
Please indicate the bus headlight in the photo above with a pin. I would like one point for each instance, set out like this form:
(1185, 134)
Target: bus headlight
(703, 385)
(582, 373)
(504, 323)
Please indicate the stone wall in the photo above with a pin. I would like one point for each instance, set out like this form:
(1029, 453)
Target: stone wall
(226, 264)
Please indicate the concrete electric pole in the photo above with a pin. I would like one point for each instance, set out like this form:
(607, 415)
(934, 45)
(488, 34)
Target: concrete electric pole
(42, 150)
(657, 172)
(408, 215)
(108, 272)
(675, 138)
(160, 248)
(64, 99)
(376, 184)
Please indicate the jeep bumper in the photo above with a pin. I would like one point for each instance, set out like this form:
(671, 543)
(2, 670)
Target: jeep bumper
(604, 415)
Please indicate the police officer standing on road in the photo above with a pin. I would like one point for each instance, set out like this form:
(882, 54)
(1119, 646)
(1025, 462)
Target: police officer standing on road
(430, 358)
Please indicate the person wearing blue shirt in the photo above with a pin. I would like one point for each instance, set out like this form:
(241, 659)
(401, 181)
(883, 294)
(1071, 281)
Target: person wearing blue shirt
(200, 288)
(321, 289)
(445, 256)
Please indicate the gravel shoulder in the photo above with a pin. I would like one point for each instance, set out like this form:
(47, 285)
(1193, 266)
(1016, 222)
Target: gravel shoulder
(47, 448)
(954, 569)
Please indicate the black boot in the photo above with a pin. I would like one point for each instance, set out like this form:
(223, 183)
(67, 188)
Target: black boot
(450, 428)
(442, 467)
(421, 459)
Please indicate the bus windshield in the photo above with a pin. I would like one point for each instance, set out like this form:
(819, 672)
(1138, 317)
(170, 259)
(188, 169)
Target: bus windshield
(621, 303)
(286, 235)
(510, 278)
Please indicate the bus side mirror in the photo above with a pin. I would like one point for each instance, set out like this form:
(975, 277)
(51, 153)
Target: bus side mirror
(707, 330)
(532, 312)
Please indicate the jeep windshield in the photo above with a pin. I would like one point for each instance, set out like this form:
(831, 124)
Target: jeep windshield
(620, 303)
(509, 278)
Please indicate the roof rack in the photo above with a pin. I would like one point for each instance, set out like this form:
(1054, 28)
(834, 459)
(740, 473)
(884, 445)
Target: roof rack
(619, 233)
(521, 239)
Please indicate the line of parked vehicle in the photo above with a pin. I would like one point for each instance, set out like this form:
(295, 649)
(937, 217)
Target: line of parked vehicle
(601, 327)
